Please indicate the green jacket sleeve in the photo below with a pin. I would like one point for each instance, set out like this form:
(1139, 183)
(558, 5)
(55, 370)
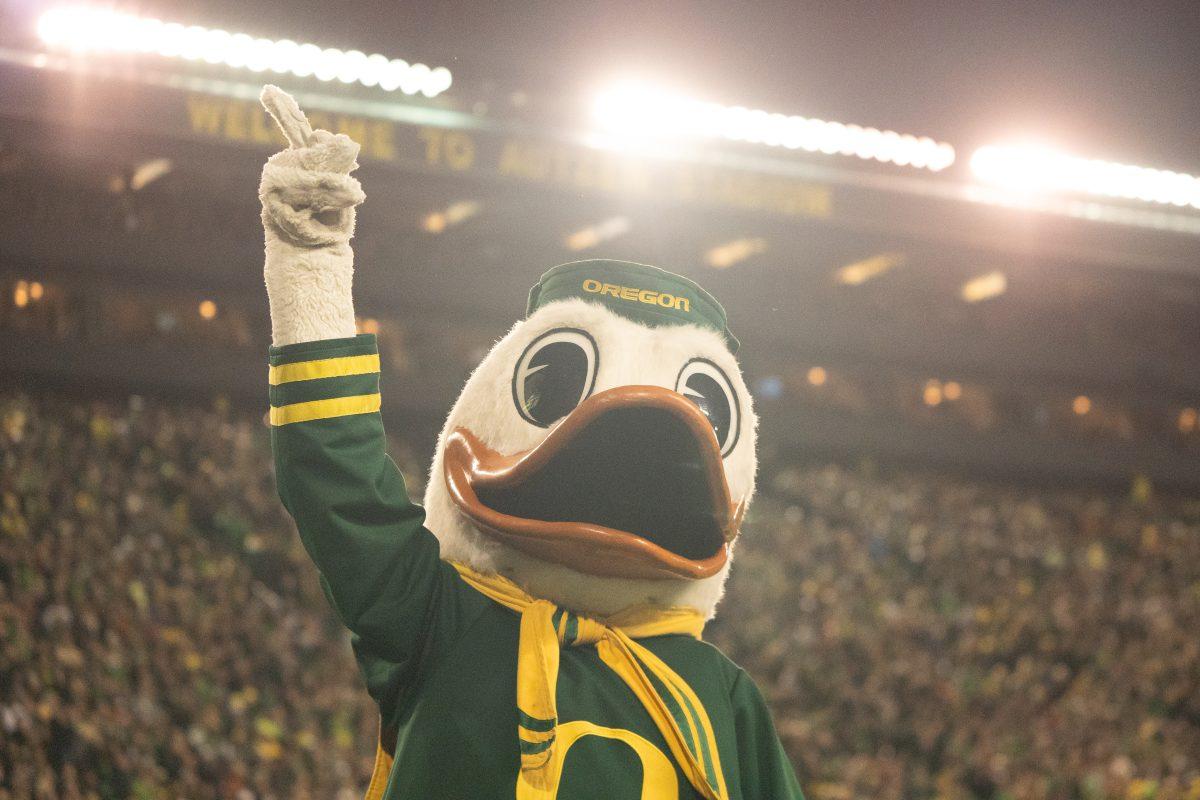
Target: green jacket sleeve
(380, 566)
(763, 765)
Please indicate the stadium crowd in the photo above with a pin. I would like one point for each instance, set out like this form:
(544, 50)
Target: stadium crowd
(162, 633)
(922, 636)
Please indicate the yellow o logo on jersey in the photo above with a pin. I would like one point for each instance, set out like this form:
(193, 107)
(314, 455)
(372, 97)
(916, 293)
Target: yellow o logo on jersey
(658, 775)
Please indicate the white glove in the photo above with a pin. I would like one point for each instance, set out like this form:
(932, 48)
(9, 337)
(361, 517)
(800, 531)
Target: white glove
(308, 200)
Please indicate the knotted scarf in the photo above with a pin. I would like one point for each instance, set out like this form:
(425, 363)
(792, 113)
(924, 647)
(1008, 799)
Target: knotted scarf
(545, 628)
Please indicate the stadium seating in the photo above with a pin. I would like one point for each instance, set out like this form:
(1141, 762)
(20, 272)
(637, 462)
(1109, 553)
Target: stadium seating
(162, 633)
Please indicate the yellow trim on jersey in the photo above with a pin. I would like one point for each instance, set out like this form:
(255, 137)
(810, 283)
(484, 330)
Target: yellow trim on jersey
(693, 710)
(380, 774)
(325, 409)
(323, 368)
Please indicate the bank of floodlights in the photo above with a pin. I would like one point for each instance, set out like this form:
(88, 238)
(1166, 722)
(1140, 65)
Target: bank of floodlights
(1026, 169)
(85, 30)
(635, 111)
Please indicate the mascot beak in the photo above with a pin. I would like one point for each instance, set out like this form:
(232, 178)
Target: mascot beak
(629, 485)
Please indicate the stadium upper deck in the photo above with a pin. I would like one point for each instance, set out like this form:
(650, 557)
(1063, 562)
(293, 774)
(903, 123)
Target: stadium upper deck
(893, 311)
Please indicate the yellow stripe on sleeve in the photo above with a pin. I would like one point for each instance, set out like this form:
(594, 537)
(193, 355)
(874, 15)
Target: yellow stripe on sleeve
(323, 368)
(325, 409)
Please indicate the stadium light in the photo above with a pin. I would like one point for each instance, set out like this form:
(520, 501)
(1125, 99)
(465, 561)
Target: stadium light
(864, 270)
(932, 393)
(635, 111)
(148, 172)
(82, 29)
(985, 287)
(1032, 169)
(451, 215)
(730, 253)
(593, 235)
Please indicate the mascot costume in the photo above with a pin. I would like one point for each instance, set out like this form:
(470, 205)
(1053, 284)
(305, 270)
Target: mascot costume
(534, 631)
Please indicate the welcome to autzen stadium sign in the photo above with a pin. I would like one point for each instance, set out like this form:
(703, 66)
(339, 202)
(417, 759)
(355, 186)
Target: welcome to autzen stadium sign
(419, 138)
(519, 157)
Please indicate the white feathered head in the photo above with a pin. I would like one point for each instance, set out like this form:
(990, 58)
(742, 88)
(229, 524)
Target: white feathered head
(603, 453)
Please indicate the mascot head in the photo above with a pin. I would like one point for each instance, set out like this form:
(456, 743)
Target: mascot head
(602, 455)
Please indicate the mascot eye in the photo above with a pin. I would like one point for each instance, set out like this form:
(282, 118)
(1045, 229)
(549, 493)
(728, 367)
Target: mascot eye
(706, 385)
(554, 374)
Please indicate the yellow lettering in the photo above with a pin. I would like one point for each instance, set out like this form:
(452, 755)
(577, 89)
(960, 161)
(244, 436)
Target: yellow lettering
(383, 140)
(456, 149)
(204, 114)
(515, 160)
(353, 127)
(432, 138)
(647, 296)
(263, 132)
(460, 150)
(236, 116)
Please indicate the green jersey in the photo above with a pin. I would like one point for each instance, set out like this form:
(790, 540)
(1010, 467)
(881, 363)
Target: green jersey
(439, 657)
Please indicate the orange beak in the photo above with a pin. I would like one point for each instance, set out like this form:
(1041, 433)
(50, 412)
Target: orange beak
(628, 485)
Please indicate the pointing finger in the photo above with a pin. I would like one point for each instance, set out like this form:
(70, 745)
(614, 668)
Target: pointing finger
(287, 114)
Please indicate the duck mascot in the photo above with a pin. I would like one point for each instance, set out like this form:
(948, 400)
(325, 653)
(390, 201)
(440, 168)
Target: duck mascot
(534, 631)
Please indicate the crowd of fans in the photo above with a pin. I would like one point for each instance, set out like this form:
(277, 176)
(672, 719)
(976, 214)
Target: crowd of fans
(162, 633)
(920, 636)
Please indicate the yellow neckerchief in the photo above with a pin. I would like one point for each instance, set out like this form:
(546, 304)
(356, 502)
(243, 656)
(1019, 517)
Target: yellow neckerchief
(675, 709)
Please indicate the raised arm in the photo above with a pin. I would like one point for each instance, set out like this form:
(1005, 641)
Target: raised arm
(380, 567)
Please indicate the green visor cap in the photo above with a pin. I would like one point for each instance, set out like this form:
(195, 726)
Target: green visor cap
(639, 292)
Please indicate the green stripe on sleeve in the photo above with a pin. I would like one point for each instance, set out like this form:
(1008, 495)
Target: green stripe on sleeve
(361, 345)
(324, 389)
